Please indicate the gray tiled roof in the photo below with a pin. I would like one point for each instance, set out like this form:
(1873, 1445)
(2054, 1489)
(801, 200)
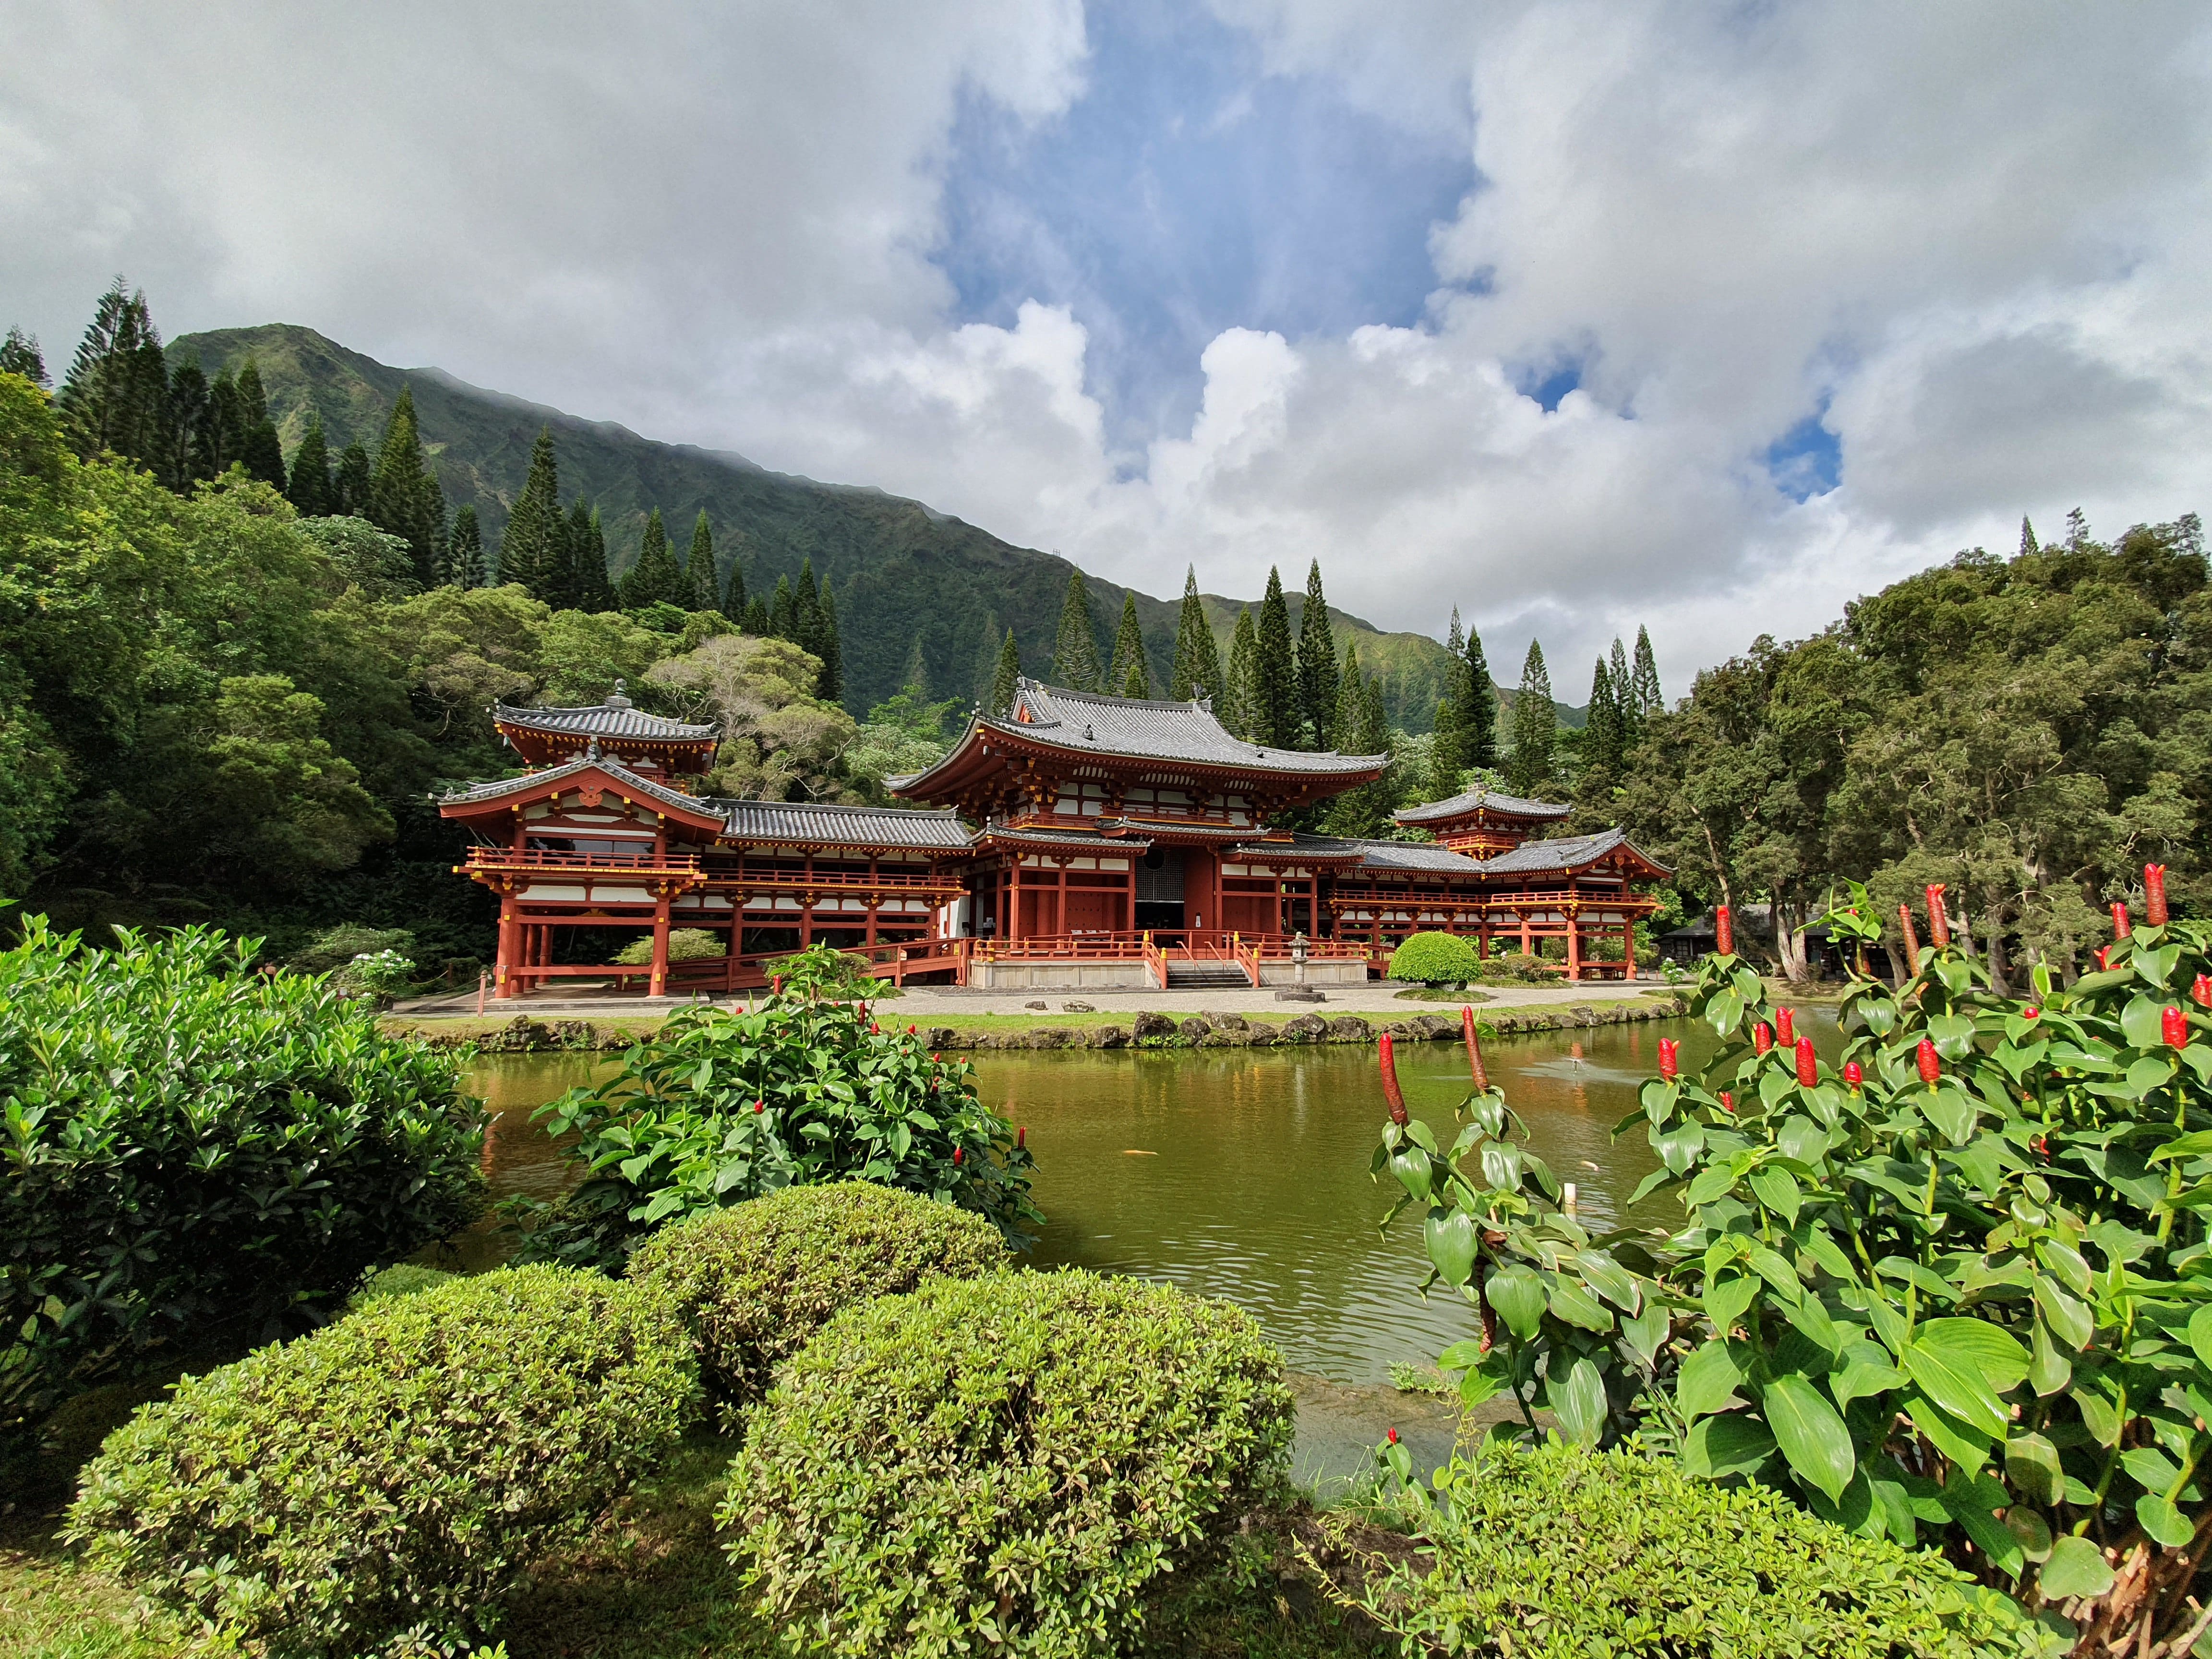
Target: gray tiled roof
(1085, 840)
(1420, 857)
(607, 764)
(1334, 849)
(807, 823)
(614, 718)
(1567, 853)
(1083, 722)
(1459, 805)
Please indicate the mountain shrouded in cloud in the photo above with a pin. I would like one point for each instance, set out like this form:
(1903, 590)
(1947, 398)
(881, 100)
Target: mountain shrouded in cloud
(1571, 315)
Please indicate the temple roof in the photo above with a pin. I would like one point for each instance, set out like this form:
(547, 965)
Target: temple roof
(1299, 847)
(1424, 857)
(1482, 800)
(1568, 852)
(809, 824)
(549, 780)
(617, 717)
(1082, 841)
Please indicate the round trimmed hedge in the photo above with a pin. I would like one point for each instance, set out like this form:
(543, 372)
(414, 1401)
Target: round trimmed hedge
(1559, 1552)
(755, 1280)
(1003, 1464)
(1434, 959)
(396, 1472)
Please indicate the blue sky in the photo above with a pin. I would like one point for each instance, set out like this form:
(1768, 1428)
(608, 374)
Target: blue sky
(1186, 192)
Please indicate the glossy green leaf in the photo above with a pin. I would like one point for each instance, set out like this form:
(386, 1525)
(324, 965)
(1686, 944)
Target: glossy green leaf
(1955, 1440)
(1953, 1035)
(2069, 1321)
(2031, 1466)
(1958, 1387)
(1725, 1299)
(1645, 1331)
(2148, 1075)
(1997, 1354)
(2200, 1335)
(1609, 1280)
(2076, 1568)
(1712, 1183)
(2098, 1415)
(1461, 1356)
(1802, 1140)
(1412, 1169)
(1571, 1302)
(2139, 1023)
(1863, 1380)
(1518, 1295)
(1948, 1111)
(1777, 1189)
(1812, 1437)
(1808, 1316)
(1707, 1380)
(1717, 1447)
(2049, 1367)
(1580, 1406)
(1725, 1011)
(1450, 1237)
(2163, 1523)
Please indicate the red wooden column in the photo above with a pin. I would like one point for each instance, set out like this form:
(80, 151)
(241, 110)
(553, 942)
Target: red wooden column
(658, 984)
(503, 969)
(1628, 949)
(1574, 943)
(1527, 940)
(1010, 925)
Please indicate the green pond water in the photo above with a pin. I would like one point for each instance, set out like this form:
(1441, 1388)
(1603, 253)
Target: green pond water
(1243, 1174)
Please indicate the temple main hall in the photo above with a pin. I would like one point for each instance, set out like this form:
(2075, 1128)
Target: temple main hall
(1078, 841)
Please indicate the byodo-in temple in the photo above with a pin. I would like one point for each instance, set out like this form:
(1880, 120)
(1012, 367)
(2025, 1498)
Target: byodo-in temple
(1078, 841)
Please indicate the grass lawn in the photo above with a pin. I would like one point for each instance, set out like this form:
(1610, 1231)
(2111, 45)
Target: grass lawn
(652, 1583)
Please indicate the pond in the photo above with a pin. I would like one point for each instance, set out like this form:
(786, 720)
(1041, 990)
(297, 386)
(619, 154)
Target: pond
(1243, 1174)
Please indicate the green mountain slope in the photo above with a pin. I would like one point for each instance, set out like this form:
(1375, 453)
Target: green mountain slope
(901, 570)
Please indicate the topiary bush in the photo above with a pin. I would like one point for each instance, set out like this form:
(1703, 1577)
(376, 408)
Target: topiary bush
(1003, 1463)
(398, 1472)
(684, 945)
(194, 1146)
(1434, 959)
(405, 1279)
(1559, 1552)
(756, 1281)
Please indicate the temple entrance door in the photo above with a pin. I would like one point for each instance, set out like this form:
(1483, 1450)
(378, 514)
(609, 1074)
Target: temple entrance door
(1159, 889)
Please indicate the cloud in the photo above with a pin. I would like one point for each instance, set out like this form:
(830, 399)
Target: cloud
(1838, 289)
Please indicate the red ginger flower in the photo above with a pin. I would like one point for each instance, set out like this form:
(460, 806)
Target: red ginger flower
(2154, 894)
(2173, 1027)
(1785, 1026)
(2033, 1012)
(1670, 1059)
(1806, 1074)
(1474, 1066)
(775, 986)
(956, 1156)
(1931, 1063)
(760, 1106)
(1392, 1093)
(2200, 992)
(2122, 926)
(1392, 1435)
(1854, 1075)
(1911, 938)
(1723, 931)
(1762, 1036)
(2100, 958)
(1022, 1136)
(1727, 1101)
(1939, 919)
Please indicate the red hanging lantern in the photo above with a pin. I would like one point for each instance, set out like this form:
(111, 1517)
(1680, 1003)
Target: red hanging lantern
(1806, 1074)
(1392, 1094)
(1931, 1063)
(1670, 1058)
(2173, 1027)
(1786, 1027)
(1939, 920)
(1762, 1036)
(1854, 1075)
(2154, 894)
(1474, 1066)
(1723, 931)
(2122, 926)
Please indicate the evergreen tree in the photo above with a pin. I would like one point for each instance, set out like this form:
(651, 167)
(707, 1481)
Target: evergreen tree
(308, 489)
(915, 678)
(352, 484)
(1624, 700)
(830, 685)
(806, 609)
(1196, 670)
(589, 588)
(115, 397)
(1274, 690)
(1000, 701)
(434, 513)
(464, 548)
(1602, 739)
(221, 440)
(733, 595)
(1536, 728)
(1361, 729)
(533, 550)
(699, 567)
(1318, 683)
(402, 501)
(1479, 720)
(1449, 744)
(188, 410)
(1236, 705)
(757, 621)
(1647, 695)
(986, 667)
(1074, 647)
(655, 578)
(783, 611)
(20, 354)
(2027, 543)
(259, 450)
(1130, 676)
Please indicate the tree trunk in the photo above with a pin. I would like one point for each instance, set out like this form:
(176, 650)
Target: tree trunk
(1897, 974)
(2000, 971)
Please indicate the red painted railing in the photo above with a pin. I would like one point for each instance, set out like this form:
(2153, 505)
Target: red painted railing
(546, 860)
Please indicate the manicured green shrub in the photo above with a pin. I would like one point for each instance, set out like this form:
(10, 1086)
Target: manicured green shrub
(397, 1470)
(406, 1279)
(684, 945)
(192, 1145)
(334, 947)
(1434, 959)
(755, 1281)
(1515, 968)
(1003, 1464)
(716, 1108)
(1559, 1552)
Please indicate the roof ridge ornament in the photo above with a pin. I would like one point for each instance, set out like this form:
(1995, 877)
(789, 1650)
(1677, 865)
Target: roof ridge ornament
(616, 699)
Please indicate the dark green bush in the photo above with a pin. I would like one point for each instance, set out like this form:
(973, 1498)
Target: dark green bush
(1434, 959)
(397, 1470)
(192, 1145)
(406, 1279)
(717, 1107)
(1003, 1463)
(1559, 1552)
(754, 1282)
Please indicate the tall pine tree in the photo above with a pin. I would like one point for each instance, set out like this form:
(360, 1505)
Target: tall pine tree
(1361, 729)
(1000, 701)
(1603, 739)
(188, 406)
(699, 568)
(589, 586)
(1536, 728)
(262, 453)
(806, 609)
(1318, 686)
(1648, 698)
(308, 487)
(1277, 719)
(533, 551)
(116, 394)
(1075, 647)
(1130, 676)
(20, 354)
(351, 485)
(830, 685)
(403, 499)
(733, 594)
(221, 439)
(1449, 743)
(655, 579)
(783, 612)
(1479, 722)
(1196, 670)
(1625, 700)
(1235, 706)
(464, 548)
